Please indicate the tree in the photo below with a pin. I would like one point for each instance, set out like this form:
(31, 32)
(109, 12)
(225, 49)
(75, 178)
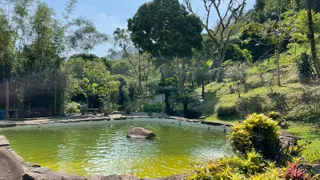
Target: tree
(143, 70)
(89, 79)
(6, 56)
(225, 26)
(167, 31)
(122, 39)
(304, 35)
(40, 43)
(201, 74)
(238, 73)
(168, 86)
(311, 38)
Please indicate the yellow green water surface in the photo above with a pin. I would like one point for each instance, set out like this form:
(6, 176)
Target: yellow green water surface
(102, 148)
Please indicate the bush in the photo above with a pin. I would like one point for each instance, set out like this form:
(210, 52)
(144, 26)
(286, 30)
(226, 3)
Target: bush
(158, 107)
(72, 107)
(249, 105)
(279, 118)
(225, 110)
(193, 114)
(304, 65)
(234, 168)
(258, 132)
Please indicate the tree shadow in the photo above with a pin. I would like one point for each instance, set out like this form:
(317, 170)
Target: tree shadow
(207, 105)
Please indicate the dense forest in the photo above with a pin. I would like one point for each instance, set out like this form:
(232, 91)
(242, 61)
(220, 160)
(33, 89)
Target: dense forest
(261, 60)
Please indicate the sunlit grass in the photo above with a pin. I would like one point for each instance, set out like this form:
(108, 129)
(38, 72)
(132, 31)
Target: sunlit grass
(308, 132)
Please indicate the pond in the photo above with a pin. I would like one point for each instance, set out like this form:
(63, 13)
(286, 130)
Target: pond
(102, 147)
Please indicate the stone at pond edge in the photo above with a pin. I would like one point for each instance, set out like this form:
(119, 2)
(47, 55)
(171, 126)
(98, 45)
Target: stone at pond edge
(140, 133)
(10, 166)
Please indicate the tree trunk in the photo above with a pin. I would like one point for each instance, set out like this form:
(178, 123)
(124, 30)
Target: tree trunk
(7, 99)
(181, 75)
(185, 109)
(279, 44)
(312, 39)
(203, 89)
(167, 103)
(55, 99)
(221, 56)
(139, 80)
(278, 64)
(220, 75)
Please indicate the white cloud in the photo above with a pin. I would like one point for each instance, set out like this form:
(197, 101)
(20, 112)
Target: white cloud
(109, 18)
(103, 15)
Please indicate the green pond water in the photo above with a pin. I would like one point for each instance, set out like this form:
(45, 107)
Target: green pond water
(102, 147)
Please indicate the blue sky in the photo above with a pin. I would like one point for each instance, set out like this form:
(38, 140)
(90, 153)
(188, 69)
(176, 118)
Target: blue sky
(107, 15)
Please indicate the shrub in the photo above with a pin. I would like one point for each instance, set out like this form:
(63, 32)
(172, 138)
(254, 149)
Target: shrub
(225, 110)
(72, 107)
(258, 132)
(279, 118)
(233, 168)
(294, 173)
(250, 105)
(193, 114)
(158, 107)
(304, 65)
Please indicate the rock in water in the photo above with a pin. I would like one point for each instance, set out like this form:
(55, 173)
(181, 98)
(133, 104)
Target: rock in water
(140, 133)
(10, 166)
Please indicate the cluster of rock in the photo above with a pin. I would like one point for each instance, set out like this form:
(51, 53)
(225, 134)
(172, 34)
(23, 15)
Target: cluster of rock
(13, 167)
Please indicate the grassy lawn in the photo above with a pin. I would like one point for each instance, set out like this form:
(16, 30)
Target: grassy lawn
(308, 132)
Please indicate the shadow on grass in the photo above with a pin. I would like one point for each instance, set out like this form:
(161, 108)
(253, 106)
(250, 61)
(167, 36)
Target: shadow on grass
(208, 104)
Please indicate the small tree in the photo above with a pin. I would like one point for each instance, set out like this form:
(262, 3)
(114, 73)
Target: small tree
(225, 27)
(238, 74)
(305, 69)
(202, 74)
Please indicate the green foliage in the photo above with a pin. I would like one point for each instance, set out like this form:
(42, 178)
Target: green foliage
(164, 28)
(235, 53)
(158, 107)
(225, 110)
(236, 168)
(249, 105)
(121, 67)
(279, 118)
(305, 68)
(72, 108)
(258, 132)
(89, 78)
(238, 73)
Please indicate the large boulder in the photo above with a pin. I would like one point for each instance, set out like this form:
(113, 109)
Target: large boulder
(10, 166)
(140, 133)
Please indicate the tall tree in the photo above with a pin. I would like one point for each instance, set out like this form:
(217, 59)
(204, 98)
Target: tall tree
(166, 30)
(6, 56)
(311, 37)
(224, 28)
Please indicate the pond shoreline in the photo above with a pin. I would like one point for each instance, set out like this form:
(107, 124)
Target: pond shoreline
(114, 117)
(35, 171)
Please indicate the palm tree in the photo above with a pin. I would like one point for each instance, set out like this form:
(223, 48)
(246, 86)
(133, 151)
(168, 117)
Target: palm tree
(202, 74)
